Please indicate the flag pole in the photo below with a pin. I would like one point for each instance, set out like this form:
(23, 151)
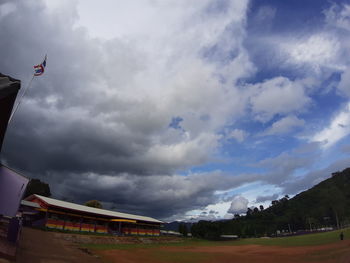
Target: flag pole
(39, 70)
(20, 99)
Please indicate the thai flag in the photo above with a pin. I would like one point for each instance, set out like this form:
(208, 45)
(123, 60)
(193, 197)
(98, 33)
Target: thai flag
(39, 69)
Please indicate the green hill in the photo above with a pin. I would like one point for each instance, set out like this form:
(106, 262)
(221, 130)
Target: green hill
(327, 204)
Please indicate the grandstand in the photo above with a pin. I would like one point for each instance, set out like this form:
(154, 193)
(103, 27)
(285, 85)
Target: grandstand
(56, 214)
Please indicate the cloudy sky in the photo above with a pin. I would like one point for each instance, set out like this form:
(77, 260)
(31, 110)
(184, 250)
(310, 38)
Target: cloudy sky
(179, 109)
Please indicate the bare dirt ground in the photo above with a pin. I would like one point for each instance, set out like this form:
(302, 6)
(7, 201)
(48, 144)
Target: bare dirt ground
(49, 247)
(333, 253)
(38, 246)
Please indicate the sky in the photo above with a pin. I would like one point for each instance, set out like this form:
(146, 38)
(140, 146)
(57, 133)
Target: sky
(179, 110)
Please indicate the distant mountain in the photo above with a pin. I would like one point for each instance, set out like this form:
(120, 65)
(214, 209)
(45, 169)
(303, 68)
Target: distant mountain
(327, 204)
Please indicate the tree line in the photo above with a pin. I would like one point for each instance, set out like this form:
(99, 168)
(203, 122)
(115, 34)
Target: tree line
(325, 205)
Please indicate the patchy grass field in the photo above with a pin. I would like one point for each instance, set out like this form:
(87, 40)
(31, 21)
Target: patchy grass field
(321, 247)
(303, 240)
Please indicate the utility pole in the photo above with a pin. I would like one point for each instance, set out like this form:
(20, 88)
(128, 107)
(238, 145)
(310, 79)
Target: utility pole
(336, 217)
(310, 224)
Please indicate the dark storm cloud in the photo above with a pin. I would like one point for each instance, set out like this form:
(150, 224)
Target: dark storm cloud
(282, 169)
(263, 198)
(160, 196)
(314, 177)
(66, 123)
(96, 124)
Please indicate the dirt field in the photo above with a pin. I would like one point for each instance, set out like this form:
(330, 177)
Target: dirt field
(339, 252)
(50, 247)
(38, 246)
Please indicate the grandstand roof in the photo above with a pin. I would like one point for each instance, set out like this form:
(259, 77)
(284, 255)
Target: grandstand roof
(8, 92)
(87, 209)
(31, 204)
(8, 85)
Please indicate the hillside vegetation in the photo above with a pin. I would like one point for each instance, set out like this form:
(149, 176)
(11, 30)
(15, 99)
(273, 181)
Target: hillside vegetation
(325, 205)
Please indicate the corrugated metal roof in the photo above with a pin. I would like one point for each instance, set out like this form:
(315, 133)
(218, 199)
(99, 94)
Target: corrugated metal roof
(31, 204)
(93, 210)
(8, 85)
(8, 91)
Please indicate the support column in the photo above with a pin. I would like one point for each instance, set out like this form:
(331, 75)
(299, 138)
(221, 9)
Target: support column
(81, 220)
(46, 217)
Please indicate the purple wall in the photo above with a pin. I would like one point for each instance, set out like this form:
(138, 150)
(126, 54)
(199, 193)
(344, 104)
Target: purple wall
(12, 187)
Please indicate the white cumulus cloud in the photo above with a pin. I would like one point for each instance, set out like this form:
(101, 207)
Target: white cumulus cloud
(239, 205)
(278, 96)
(338, 128)
(318, 50)
(338, 16)
(238, 135)
(285, 125)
